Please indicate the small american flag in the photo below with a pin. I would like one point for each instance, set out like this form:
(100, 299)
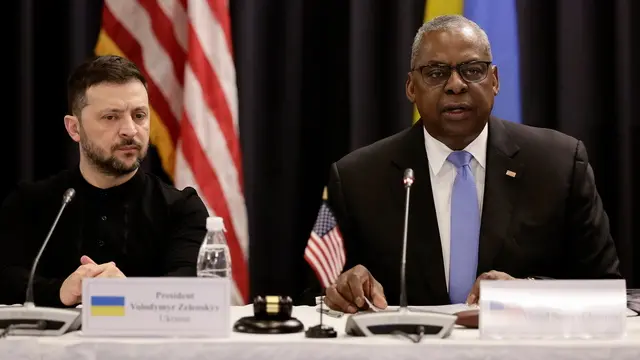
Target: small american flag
(325, 250)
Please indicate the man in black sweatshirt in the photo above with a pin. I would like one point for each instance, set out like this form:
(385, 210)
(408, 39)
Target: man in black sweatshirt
(121, 222)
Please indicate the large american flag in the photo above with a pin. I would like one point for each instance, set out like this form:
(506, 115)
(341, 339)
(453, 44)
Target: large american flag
(325, 249)
(184, 49)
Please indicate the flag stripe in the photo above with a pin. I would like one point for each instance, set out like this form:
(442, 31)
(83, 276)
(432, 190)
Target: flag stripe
(107, 310)
(331, 240)
(219, 10)
(336, 237)
(166, 37)
(135, 21)
(315, 265)
(343, 251)
(325, 253)
(325, 260)
(107, 301)
(322, 261)
(133, 52)
(206, 131)
(335, 257)
(214, 99)
(217, 46)
(217, 72)
(178, 15)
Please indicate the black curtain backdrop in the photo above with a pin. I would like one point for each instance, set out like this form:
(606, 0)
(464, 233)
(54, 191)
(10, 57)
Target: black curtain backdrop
(43, 44)
(319, 78)
(578, 64)
(46, 39)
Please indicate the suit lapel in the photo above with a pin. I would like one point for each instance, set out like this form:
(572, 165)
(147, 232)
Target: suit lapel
(503, 173)
(424, 251)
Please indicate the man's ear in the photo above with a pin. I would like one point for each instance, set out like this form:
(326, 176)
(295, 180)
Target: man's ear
(72, 124)
(495, 81)
(410, 89)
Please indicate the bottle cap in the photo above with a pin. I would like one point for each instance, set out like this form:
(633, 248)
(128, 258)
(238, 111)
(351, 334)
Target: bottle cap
(215, 223)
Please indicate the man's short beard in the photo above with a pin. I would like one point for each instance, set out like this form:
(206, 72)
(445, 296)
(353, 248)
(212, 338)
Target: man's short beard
(109, 164)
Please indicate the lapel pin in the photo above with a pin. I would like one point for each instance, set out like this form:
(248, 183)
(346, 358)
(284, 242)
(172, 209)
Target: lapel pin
(511, 173)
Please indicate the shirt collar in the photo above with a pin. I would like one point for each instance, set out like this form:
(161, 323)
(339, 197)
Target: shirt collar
(122, 192)
(437, 152)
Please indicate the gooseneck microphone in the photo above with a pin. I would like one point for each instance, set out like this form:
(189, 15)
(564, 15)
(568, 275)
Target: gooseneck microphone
(408, 181)
(66, 199)
(33, 320)
(403, 321)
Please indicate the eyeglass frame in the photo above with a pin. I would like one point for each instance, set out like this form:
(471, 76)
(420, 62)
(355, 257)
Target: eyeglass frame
(456, 68)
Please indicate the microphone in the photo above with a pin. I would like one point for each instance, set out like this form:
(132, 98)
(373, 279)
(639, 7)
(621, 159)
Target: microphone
(66, 199)
(403, 321)
(32, 320)
(408, 181)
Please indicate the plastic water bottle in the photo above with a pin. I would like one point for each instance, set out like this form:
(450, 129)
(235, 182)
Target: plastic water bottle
(214, 258)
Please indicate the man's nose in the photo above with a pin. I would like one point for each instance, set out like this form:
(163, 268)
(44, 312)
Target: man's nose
(128, 127)
(455, 84)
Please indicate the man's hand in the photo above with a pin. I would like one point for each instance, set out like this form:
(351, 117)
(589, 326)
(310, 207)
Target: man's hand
(474, 295)
(110, 271)
(351, 287)
(71, 289)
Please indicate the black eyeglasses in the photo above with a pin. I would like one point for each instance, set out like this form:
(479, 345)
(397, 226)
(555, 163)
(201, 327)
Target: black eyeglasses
(472, 72)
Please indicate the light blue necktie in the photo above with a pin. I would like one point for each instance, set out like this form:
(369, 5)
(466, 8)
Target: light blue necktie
(465, 229)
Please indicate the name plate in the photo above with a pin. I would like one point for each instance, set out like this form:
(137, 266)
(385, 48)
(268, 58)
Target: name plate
(553, 309)
(176, 307)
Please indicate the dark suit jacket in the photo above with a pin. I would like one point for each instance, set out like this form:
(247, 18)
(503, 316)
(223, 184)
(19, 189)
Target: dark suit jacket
(548, 220)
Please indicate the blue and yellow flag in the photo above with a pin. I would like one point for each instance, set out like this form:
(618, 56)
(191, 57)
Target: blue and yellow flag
(107, 306)
(499, 20)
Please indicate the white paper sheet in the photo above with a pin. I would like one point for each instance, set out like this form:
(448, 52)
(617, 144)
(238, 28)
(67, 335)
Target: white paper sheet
(448, 309)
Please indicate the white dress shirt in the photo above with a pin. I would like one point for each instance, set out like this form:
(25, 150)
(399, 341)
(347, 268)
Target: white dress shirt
(443, 174)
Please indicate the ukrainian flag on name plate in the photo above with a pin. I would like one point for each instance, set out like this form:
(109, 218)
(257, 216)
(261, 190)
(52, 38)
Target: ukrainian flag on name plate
(499, 20)
(107, 306)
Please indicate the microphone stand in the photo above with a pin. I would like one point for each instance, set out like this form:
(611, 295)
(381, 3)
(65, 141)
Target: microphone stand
(402, 321)
(408, 181)
(32, 320)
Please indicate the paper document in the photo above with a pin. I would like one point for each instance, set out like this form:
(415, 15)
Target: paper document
(371, 306)
(447, 309)
(455, 308)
